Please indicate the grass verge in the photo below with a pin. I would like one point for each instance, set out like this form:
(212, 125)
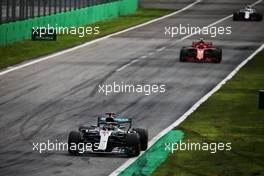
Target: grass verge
(25, 50)
(230, 115)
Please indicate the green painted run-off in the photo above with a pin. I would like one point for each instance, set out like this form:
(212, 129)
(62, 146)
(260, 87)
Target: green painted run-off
(21, 30)
(154, 156)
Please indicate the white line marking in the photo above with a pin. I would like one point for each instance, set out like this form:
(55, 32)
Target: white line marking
(124, 66)
(94, 41)
(151, 54)
(194, 107)
(121, 68)
(161, 49)
(257, 2)
(143, 57)
(134, 61)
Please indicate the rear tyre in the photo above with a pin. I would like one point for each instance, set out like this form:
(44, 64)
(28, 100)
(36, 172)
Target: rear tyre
(259, 16)
(133, 144)
(143, 137)
(218, 55)
(73, 141)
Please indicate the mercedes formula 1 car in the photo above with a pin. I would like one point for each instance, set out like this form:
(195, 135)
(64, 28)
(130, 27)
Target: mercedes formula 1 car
(112, 134)
(247, 14)
(201, 52)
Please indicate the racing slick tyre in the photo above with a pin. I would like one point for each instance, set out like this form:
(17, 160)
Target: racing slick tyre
(74, 139)
(259, 16)
(236, 16)
(133, 143)
(143, 137)
(183, 54)
(218, 55)
(215, 53)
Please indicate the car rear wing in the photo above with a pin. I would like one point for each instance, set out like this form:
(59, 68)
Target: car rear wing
(209, 44)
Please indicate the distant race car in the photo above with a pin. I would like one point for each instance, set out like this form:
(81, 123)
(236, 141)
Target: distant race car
(247, 14)
(201, 52)
(112, 134)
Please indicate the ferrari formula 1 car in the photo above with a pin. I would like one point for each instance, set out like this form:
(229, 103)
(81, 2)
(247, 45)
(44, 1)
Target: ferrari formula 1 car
(112, 134)
(247, 14)
(201, 52)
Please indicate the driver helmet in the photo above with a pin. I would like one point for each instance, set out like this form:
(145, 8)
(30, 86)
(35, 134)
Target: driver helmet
(201, 40)
(110, 117)
(108, 126)
(248, 7)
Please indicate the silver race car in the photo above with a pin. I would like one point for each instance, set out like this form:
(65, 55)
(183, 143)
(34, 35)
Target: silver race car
(247, 14)
(112, 134)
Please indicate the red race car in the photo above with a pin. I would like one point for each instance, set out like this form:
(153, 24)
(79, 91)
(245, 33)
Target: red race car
(201, 52)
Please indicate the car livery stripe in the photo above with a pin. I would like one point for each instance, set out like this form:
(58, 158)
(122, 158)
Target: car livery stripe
(104, 134)
(200, 54)
(247, 15)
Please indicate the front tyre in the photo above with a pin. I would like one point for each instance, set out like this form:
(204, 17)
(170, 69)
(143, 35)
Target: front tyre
(143, 136)
(183, 54)
(235, 16)
(133, 144)
(259, 17)
(73, 141)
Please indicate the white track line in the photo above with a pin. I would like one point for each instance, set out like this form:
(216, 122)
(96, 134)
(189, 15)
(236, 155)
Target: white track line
(197, 104)
(151, 53)
(161, 49)
(124, 66)
(94, 41)
(143, 57)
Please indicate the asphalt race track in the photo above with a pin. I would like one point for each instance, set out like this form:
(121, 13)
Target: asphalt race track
(48, 99)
